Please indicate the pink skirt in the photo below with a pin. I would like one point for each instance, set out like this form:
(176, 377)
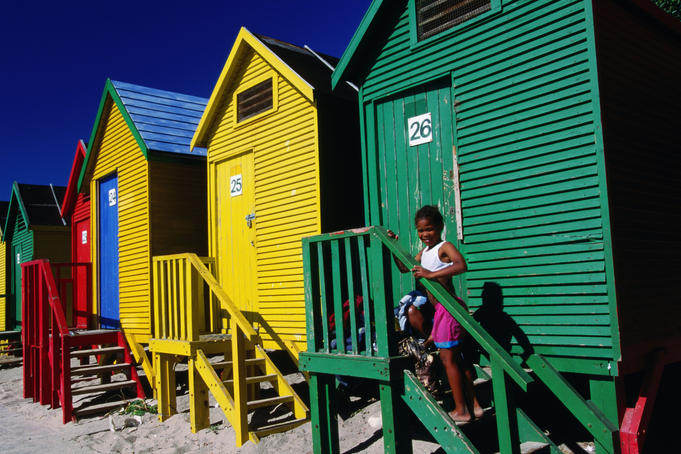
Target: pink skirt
(447, 332)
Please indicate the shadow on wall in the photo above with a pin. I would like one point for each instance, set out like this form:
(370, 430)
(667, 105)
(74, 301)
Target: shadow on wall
(498, 323)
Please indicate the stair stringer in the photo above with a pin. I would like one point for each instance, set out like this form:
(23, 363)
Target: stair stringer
(223, 397)
(434, 418)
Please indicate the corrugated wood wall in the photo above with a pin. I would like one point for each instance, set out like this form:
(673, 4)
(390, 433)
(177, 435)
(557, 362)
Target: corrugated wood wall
(286, 195)
(525, 135)
(81, 211)
(178, 207)
(23, 237)
(639, 73)
(117, 151)
(3, 284)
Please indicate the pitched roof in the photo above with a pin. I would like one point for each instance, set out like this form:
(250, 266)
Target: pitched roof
(162, 122)
(309, 71)
(166, 120)
(42, 203)
(38, 204)
(72, 186)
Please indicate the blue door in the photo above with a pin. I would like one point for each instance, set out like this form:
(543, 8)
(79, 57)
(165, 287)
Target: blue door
(108, 252)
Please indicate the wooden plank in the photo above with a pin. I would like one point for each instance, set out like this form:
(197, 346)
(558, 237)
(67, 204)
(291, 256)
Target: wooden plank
(351, 295)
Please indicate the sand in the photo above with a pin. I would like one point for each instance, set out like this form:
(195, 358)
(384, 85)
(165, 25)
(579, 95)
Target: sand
(29, 427)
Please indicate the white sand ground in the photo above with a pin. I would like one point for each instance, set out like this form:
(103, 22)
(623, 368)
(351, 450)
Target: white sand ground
(28, 427)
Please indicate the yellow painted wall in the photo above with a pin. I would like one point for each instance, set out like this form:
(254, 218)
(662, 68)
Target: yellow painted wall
(286, 167)
(3, 284)
(117, 151)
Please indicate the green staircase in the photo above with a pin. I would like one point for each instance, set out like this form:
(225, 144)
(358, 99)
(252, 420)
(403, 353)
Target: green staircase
(340, 266)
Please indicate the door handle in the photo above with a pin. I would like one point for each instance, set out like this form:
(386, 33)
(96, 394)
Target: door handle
(249, 220)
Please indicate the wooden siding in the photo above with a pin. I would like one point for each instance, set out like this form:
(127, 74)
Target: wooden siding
(81, 211)
(23, 237)
(3, 284)
(284, 145)
(177, 194)
(117, 151)
(639, 66)
(526, 137)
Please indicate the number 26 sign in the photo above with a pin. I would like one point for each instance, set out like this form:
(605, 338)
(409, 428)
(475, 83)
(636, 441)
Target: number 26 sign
(420, 129)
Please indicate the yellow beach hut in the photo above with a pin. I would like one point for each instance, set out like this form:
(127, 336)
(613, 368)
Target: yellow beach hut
(3, 266)
(283, 163)
(147, 196)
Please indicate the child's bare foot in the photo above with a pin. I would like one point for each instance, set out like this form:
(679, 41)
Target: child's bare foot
(478, 412)
(460, 418)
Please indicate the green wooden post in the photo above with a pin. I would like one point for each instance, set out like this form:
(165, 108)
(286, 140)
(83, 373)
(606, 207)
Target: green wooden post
(603, 392)
(323, 411)
(395, 438)
(507, 419)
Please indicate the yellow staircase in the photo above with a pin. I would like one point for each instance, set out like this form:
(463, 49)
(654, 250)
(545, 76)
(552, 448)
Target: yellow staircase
(193, 324)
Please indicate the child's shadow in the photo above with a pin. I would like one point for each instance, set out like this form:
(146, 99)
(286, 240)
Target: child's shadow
(498, 323)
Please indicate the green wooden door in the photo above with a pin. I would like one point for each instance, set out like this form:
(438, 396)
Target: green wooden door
(414, 143)
(17, 259)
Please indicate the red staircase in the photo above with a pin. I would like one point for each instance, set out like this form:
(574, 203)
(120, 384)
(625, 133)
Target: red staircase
(57, 357)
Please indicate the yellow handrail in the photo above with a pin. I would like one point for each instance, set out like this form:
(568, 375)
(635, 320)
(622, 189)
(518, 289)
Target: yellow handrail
(178, 298)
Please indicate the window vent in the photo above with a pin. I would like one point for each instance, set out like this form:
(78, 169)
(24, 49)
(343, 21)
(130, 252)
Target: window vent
(254, 100)
(435, 16)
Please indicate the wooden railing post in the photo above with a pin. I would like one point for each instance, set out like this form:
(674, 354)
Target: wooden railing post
(239, 376)
(396, 438)
(507, 419)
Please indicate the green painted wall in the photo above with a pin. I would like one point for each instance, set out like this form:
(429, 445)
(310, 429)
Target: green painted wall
(22, 243)
(525, 123)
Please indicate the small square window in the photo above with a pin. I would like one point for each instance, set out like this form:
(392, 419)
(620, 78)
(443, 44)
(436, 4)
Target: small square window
(436, 16)
(254, 100)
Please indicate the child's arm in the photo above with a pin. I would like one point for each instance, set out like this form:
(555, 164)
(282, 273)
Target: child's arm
(448, 253)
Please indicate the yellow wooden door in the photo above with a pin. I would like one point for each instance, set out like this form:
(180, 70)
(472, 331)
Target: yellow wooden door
(236, 230)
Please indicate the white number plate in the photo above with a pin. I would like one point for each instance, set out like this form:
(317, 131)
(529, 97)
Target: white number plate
(83, 237)
(420, 129)
(235, 185)
(112, 197)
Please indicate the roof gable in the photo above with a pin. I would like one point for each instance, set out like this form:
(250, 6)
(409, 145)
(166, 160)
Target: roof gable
(357, 42)
(72, 186)
(308, 71)
(37, 204)
(162, 122)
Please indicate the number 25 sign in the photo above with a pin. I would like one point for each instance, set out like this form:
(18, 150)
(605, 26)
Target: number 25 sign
(420, 129)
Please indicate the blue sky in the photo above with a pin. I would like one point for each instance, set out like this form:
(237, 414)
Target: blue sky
(55, 58)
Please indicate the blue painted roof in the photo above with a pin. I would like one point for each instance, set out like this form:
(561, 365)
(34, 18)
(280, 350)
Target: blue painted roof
(166, 120)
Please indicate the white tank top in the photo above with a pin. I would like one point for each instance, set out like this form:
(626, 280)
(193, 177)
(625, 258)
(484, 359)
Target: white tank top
(430, 258)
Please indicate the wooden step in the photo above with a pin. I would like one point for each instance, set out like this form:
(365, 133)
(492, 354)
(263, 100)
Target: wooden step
(249, 362)
(279, 427)
(255, 379)
(10, 361)
(12, 350)
(269, 402)
(90, 369)
(101, 408)
(96, 351)
(103, 387)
